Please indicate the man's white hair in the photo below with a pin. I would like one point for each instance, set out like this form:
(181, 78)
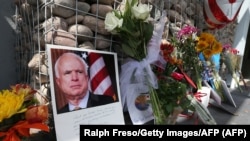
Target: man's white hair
(72, 54)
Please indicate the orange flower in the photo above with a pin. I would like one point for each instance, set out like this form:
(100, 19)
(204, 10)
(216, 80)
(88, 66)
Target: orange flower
(24, 89)
(201, 45)
(217, 47)
(207, 53)
(208, 45)
(174, 61)
(207, 37)
(18, 88)
(37, 114)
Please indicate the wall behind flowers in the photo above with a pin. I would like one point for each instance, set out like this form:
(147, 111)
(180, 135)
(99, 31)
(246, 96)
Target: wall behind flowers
(181, 12)
(79, 23)
(8, 75)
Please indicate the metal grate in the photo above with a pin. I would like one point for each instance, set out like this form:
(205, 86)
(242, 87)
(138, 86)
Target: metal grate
(40, 22)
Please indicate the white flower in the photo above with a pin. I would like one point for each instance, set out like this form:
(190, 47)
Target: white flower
(142, 11)
(112, 22)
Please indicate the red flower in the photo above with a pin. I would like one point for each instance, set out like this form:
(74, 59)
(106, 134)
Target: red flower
(166, 48)
(177, 76)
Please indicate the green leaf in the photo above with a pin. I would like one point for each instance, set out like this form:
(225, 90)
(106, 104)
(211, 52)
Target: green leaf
(128, 50)
(132, 44)
(169, 108)
(148, 31)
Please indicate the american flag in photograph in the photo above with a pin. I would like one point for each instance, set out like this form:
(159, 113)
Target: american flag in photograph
(100, 80)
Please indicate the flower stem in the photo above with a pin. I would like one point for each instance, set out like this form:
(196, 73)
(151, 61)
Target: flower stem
(155, 102)
(237, 82)
(198, 78)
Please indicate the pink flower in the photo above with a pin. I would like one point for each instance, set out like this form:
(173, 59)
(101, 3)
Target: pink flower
(186, 31)
(226, 46)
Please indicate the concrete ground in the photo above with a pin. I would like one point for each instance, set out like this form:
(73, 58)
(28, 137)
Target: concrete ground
(239, 114)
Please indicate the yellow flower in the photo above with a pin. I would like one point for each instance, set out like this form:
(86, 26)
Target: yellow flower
(208, 45)
(207, 53)
(10, 104)
(207, 37)
(217, 47)
(201, 45)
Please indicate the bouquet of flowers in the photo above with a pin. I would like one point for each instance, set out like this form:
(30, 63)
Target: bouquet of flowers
(174, 93)
(209, 53)
(140, 43)
(231, 60)
(172, 86)
(132, 26)
(185, 50)
(20, 112)
(182, 55)
(208, 45)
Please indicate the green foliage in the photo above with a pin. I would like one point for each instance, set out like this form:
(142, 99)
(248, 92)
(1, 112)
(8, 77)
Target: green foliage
(172, 94)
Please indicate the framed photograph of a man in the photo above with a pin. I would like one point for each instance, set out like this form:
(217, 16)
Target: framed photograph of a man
(84, 89)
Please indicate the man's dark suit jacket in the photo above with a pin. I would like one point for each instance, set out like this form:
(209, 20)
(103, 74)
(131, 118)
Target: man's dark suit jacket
(94, 100)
